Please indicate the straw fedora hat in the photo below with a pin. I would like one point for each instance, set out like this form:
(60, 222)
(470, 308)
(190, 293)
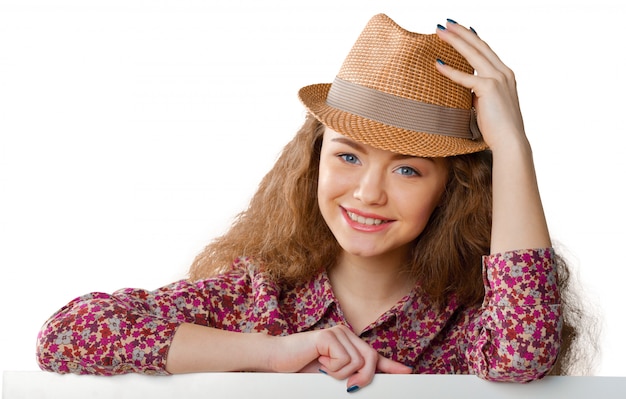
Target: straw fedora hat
(388, 94)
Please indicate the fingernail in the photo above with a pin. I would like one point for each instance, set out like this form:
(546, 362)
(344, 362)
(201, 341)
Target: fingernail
(441, 27)
(440, 62)
(451, 21)
(322, 371)
(472, 29)
(353, 388)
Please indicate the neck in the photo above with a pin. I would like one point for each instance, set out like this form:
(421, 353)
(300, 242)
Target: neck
(370, 279)
(368, 287)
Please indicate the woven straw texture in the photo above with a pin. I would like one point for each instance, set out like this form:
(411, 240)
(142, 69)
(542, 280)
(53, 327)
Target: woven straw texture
(394, 61)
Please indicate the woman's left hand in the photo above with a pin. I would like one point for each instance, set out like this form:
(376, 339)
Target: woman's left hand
(518, 220)
(495, 91)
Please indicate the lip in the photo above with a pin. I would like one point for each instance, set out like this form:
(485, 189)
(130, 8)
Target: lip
(365, 227)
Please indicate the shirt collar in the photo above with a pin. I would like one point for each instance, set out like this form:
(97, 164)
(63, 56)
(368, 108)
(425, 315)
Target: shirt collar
(312, 301)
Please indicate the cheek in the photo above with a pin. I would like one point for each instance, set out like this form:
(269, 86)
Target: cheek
(422, 215)
(331, 182)
(322, 182)
(422, 204)
(326, 189)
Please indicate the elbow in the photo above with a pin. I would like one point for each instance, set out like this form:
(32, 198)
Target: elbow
(521, 363)
(60, 342)
(47, 352)
(522, 372)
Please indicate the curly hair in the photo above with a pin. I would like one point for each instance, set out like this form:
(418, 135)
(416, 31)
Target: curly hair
(284, 232)
(282, 229)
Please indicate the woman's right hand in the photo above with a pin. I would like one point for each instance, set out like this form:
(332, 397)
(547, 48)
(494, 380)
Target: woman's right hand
(335, 351)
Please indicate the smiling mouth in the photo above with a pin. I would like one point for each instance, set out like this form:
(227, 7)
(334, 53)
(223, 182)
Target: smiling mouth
(363, 220)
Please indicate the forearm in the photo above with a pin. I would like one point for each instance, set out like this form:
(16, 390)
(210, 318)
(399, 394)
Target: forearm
(516, 336)
(99, 334)
(197, 348)
(518, 217)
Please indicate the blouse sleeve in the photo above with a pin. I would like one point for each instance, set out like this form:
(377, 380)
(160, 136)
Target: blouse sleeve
(516, 334)
(131, 330)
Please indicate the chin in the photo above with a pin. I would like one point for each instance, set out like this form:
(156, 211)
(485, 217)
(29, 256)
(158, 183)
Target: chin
(363, 252)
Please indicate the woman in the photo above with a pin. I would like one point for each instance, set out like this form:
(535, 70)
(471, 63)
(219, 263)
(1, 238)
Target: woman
(400, 231)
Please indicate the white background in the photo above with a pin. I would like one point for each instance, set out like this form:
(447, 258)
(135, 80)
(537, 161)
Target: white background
(131, 132)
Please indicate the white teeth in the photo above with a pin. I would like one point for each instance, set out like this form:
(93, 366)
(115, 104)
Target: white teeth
(362, 220)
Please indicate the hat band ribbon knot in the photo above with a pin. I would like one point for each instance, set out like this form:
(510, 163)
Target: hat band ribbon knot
(402, 112)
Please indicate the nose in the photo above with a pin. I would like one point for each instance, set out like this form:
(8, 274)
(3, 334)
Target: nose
(371, 187)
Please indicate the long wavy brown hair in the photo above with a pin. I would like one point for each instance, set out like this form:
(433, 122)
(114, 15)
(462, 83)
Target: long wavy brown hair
(284, 232)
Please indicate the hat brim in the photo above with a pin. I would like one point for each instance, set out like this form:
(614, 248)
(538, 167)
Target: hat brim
(382, 136)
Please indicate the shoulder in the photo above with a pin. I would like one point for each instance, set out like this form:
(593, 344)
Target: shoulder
(243, 277)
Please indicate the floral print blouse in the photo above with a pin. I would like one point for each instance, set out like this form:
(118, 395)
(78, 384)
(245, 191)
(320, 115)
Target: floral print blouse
(513, 336)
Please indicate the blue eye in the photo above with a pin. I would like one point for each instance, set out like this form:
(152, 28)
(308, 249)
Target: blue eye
(407, 171)
(349, 158)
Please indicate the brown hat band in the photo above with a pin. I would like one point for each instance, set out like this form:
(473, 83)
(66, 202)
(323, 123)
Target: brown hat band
(401, 112)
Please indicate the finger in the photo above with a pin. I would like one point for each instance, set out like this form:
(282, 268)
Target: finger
(470, 36)
(313, 367)
(459, 77)
(357, 350)
(477, 52)
(499, 71)
(363, 376)
(389, 366)
(361, 368)
(502, 81)
(338, 355)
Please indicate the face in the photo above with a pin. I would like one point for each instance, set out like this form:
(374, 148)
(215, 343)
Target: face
(376, 202)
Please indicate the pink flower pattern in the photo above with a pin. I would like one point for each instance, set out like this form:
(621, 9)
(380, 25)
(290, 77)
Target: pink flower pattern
(513, 336)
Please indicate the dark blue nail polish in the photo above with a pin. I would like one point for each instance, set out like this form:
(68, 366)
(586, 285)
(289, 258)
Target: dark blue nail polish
(441, 27)
(440, 62)
(353, 388)
(322, 371)
(472, 29)
(451, 21)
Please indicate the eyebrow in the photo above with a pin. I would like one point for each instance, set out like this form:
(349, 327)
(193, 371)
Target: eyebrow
(359, 147)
